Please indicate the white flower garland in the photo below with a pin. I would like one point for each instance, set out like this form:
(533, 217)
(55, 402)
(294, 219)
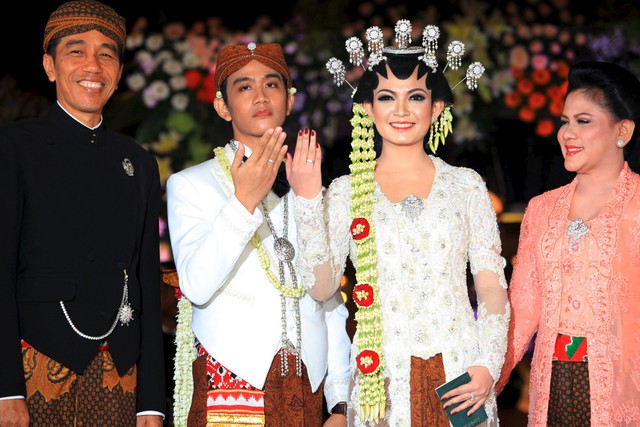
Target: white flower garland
(368, 316)
(183, 360)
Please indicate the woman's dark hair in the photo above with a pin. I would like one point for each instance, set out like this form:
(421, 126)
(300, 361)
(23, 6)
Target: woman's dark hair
(402, 65)
(613, 87)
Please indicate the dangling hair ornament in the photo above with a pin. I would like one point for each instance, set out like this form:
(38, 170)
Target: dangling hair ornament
(454, 55)
(430, 36)
(356, 50)
(403, 33)
(474, 72)
(375, 39)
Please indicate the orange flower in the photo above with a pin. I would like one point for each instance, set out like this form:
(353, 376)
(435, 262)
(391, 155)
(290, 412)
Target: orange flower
(545, 128)
(562, 69)
(526, 114)
(525, 86)
(555, 107)
(512, 99)
(537, 100)
(541, 77)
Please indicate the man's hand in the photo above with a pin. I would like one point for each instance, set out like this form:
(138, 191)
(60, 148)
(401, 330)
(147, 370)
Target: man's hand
(149, 421)
(253, 179)
(14, 413)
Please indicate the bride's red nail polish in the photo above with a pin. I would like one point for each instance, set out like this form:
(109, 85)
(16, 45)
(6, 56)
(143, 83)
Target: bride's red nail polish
(306, 131)
(313, 133)
(299, 133)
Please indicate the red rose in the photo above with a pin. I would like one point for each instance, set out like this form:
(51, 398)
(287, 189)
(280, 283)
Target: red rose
(363, 295)
(178, 293)
(368, 361)
(359, 228)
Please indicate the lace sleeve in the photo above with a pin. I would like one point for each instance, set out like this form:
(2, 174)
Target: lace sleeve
(487, 267)
(524, 295)
(322, 223)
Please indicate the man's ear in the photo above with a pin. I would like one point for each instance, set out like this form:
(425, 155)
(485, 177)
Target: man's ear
(49, 67)
(222, 109)
(290, 99)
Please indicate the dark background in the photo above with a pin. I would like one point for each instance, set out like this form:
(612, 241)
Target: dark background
(22, 30)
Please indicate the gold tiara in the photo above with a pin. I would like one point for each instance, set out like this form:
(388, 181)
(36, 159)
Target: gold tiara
(375, 45)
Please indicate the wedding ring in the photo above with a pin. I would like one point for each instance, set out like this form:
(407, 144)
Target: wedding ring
(271, 161)
(309, 161)
(471, 397)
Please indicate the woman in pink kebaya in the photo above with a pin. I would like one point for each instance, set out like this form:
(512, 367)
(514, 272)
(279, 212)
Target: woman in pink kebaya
(576, 281)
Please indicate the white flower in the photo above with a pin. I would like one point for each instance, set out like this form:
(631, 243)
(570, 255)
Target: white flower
(146, 62)
(154, 42)
(161, 89)
(157, 91)
(136, 81)
(172, 67)
(178, 82)
(182, 46)
(134, 41)
(180, 101)
(190, 60)
(164, 55)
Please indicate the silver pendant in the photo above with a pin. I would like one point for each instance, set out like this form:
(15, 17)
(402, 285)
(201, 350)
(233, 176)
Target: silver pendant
(412, 207)
(127, 166)
(284, 249)
(125, 314)
(575, 231)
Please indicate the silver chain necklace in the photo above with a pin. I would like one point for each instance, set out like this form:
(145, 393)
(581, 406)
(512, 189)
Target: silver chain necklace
(125, 314)
(285, 252)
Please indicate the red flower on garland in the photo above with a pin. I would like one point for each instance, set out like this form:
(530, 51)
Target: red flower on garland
(363, 295)
(368, 361)
(360, 228)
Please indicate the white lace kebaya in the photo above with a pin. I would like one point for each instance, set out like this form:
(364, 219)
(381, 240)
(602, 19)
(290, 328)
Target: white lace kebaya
(422, 259)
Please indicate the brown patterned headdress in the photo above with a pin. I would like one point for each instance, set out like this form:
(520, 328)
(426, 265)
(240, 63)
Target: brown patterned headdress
(79, 16)
(232, 58)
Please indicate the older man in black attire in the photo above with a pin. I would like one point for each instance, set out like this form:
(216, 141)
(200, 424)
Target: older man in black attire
(82, 340)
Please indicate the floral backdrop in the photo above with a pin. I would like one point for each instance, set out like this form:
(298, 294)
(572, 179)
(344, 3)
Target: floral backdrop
(165, 97)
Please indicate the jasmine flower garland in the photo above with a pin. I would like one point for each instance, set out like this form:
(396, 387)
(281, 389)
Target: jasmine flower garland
(370, 359)
(185, 355)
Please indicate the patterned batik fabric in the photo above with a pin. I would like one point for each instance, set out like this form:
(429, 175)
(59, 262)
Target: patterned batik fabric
(229, 400)
(289, 400)
(223, 399)
(570, 349)
(569, 397)
(426, 406)
(57, 396)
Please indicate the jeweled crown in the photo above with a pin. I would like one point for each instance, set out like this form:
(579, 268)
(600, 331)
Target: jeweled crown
(375, 45)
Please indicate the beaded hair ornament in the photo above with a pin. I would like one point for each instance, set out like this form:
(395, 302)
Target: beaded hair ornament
(370, 359)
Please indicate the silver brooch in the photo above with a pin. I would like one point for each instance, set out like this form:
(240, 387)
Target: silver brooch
(125, 314)
(412, 207)
(575, 231)
(127, 166)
